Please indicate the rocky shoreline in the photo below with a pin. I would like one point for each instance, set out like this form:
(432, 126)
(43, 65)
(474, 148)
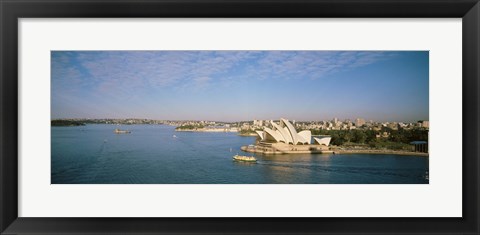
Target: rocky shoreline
(375, 151)
(269, 150)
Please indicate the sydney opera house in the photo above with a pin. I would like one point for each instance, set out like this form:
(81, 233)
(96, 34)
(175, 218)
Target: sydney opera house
(283, 138)
(285, 133)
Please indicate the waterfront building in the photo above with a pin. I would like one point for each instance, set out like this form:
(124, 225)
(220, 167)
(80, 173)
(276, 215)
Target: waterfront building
(285, 132)
(420, 146)
(323, 140)
(283, 138)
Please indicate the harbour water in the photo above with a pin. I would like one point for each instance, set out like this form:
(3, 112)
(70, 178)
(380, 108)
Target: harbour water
(156, 154)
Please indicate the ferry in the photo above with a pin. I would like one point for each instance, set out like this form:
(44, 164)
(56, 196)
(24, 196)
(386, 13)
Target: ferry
(118, 131)
(244, 158)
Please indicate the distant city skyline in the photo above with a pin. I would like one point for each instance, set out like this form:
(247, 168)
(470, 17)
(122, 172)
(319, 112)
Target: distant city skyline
(234, 86)
(352, 120)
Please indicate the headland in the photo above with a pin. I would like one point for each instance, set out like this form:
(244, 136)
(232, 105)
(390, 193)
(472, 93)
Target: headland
(283, 138)
(208, 130)
(282, 148)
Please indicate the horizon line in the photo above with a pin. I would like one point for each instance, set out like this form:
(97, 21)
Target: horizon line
(184, 120)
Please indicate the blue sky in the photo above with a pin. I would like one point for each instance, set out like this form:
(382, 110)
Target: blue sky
(240, 85)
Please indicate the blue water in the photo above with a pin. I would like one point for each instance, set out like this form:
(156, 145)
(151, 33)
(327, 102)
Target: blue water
(151, 154)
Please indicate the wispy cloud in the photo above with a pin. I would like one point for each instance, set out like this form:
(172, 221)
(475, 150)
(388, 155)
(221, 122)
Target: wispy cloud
(129, 76)
(130, 71)
(311, 64)
(163, 83)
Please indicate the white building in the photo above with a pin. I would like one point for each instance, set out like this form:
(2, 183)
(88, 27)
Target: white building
(258, 122)
(359, 122)
(323, 140)
(285, 133)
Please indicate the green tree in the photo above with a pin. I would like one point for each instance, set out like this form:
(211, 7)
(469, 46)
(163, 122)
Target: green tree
(359, 136)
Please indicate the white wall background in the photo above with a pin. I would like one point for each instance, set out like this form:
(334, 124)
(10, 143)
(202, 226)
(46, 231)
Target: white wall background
(441, 198)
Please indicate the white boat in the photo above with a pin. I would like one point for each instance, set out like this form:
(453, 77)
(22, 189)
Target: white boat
(244, 158)
(118, 131)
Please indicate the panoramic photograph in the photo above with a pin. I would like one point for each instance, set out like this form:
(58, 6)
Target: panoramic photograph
(239, 117)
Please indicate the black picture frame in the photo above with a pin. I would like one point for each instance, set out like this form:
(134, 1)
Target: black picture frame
(12, 10)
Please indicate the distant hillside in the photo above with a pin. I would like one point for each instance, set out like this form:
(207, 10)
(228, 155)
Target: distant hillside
(66, 123)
